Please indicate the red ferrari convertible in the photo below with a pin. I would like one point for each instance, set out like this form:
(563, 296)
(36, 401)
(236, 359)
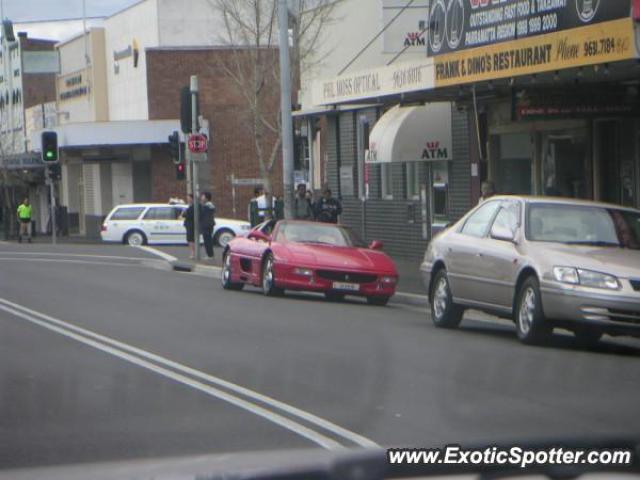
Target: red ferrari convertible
(316, 257)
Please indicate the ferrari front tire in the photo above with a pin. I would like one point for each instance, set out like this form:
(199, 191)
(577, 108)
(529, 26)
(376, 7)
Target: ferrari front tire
(226, 275)
(269, 279)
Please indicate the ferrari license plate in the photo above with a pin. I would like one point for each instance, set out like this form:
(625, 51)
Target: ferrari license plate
(351, 287)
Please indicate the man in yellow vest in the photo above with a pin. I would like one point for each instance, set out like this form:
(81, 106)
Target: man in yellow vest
(24, 217)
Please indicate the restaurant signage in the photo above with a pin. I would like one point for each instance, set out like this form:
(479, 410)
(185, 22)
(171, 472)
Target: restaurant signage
(475, 40)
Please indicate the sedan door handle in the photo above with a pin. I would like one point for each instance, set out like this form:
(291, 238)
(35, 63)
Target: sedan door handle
(479, 254)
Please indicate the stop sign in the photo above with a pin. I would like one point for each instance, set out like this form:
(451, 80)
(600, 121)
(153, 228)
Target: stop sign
(197, 143)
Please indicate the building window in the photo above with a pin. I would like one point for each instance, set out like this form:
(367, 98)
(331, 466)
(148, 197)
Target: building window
(386, 181)
(413, 180)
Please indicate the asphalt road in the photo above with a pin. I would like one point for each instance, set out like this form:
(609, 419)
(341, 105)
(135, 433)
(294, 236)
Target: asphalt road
(107, 355)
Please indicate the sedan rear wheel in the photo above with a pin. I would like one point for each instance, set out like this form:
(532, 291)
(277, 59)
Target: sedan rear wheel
(268, 278)
(444, 313)
(531, 325)
(226, 276)
(135, 239)
(223, 237)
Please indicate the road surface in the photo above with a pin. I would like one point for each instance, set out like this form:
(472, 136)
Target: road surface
(106, 355)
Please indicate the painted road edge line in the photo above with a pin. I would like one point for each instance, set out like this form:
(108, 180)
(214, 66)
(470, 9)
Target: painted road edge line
(158, 253)
(273, 417)
(291, 410)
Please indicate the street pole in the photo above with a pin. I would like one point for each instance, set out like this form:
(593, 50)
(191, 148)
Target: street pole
(194, 166)
(285, 107)
(52, 207)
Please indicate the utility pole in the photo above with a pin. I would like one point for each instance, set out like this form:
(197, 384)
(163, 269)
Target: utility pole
(194, 166)
(285, 107)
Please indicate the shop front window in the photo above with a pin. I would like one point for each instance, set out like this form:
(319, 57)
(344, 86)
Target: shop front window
(564, 164)
(513, 167)
(413, 180)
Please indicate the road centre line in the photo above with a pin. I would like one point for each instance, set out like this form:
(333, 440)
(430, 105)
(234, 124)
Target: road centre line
(137, 356)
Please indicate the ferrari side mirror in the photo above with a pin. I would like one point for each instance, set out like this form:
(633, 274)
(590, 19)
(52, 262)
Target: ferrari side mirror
(376, 245)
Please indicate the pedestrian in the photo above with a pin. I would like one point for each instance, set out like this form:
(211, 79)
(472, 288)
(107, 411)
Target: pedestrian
(328, 208)
(252, 210)
(188, 216)
(301, 204)
(207, 222)
(488, 190)
(264, 211)
(25, 212)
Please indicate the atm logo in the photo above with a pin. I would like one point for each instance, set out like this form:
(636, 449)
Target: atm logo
(415, 39)
(433, 151)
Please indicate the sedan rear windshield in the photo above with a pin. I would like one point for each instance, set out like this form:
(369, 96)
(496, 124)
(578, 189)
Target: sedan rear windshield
(583, 225)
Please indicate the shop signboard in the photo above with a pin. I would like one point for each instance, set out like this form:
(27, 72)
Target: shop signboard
(569, 104)
(474, 40)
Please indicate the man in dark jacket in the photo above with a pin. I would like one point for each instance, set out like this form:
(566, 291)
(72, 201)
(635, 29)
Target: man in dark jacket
(328, 208)
(207, 222)
(301, 205)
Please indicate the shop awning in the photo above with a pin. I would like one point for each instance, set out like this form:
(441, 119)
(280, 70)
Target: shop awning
(412, 134)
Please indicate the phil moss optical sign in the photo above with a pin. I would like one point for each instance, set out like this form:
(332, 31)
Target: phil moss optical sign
(474, 40)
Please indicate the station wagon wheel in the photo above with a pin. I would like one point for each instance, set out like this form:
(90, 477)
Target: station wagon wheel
(226, 276)
(444, 313)
(135, 239)
(268, 278)
(531, 325)
(223, 237)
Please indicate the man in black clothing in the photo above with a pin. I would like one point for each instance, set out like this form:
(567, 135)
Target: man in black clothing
(328, 208)
(207, 222)
(189, 226)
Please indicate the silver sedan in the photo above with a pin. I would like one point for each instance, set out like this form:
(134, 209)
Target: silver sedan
(543, 262)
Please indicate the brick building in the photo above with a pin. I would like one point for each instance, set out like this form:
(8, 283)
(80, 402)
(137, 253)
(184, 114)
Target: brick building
(232, 150)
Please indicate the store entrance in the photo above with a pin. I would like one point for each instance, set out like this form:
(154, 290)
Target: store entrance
(565, 165)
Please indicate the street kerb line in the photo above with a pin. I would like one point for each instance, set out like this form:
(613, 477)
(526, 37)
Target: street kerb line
(61, 260)
(137, 356)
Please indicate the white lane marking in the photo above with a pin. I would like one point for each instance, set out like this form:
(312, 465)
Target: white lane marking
(62, 260)
(159, 253)
(79, 255)
(295, 427)
(291, 410)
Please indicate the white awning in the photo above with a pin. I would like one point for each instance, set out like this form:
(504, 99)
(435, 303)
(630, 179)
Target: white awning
(133, 132)
(411, 134)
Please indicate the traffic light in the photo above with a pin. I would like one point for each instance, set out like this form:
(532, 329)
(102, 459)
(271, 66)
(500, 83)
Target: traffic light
(174, 147)
(180, 171)
(49, 142)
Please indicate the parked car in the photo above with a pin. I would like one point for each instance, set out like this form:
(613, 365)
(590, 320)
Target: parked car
(317, 257)
(155, 224)
(544, 262)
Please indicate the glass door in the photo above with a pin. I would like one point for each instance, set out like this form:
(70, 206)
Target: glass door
(565, 164)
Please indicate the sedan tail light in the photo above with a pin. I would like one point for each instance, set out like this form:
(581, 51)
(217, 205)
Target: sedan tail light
(103, 228)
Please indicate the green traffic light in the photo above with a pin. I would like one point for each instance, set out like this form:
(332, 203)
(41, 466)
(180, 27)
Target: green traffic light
(49, 154)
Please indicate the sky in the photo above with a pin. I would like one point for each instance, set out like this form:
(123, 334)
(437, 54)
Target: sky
(32, 15)
(37, 10)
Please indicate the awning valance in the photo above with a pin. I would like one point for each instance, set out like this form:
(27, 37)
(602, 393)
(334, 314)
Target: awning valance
(411, 134)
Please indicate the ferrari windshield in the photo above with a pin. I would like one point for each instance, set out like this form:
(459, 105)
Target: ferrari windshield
(326, 234)
(583, 225)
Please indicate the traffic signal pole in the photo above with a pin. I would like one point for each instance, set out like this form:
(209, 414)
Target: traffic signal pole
(194, 167)
(52, 208)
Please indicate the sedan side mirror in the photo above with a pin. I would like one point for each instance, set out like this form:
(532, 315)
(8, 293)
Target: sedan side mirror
(258, 235)
(376, 245)
(498, 232)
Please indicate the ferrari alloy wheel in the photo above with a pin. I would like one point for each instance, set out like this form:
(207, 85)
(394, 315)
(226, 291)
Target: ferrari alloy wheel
(226, 276)
(444, 313)
(268, 278)
(531, 325)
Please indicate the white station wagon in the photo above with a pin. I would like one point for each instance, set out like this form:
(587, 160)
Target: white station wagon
(157, 223)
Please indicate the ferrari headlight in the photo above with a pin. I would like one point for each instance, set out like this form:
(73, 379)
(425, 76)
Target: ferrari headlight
(586, 278)
(305, 272)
